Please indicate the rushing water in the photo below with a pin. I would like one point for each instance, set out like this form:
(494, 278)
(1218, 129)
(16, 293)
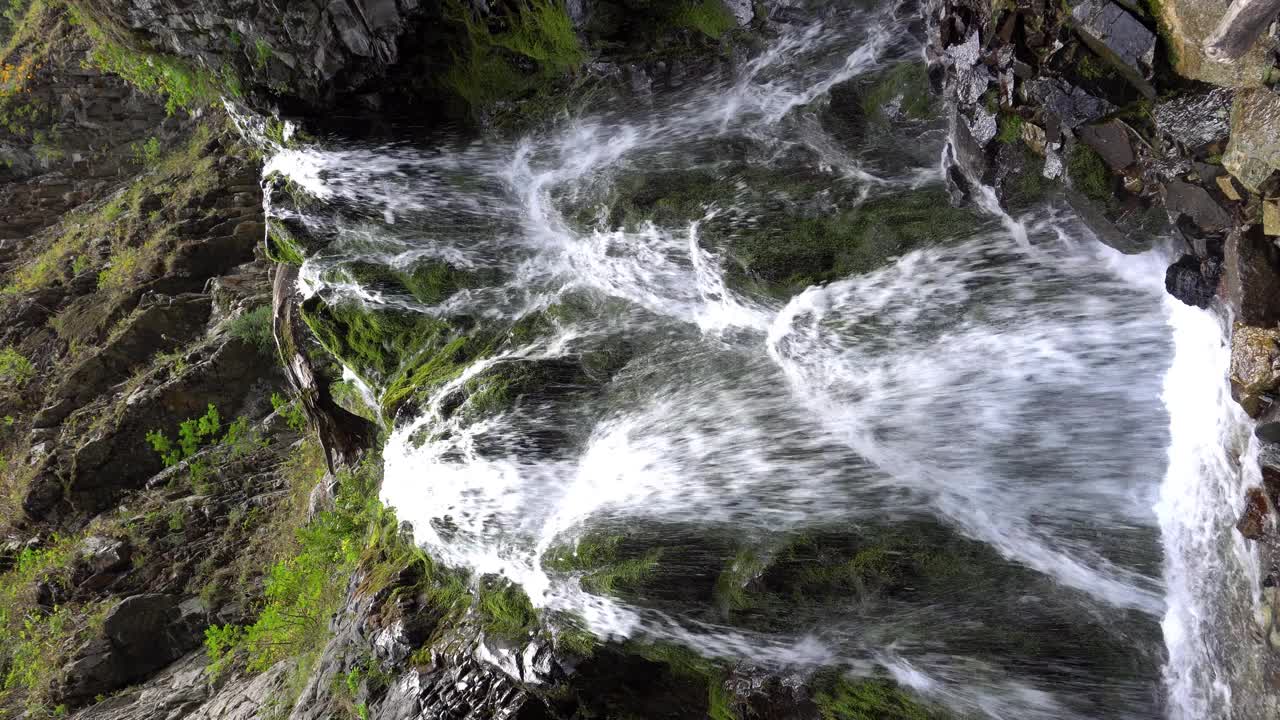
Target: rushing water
(1018, 406)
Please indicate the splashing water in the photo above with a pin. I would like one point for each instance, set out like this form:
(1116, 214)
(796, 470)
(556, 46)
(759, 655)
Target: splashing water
(991, 401)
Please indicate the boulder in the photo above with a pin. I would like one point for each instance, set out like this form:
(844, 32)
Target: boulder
(1240, 28)
(1195, 119)
(1072, 106)
(1111, 141)
(1192, 281)
(1251, 274)
(1255, 366)
(1254, 151)
(141, 635)
(1196, 203)
(1120, 39)
(1255, 521)
(1186, 25)
(103, 555)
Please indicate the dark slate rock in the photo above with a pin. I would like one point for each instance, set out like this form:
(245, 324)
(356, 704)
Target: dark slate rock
(1251, 273)
(1254, 521)
(1118, 38)
(1196, 203)
(1071, 105)
(1188, 281)
(1111, 141)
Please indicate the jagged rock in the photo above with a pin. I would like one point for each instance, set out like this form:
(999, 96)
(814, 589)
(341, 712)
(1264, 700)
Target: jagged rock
(1271, 217)
(1228, 187)
(140, 635)
(160, 324)
(1255, 522)
(1188, 281)
(1111, 141)
(1254, 151)
(1251, 268)
(1196, 203)
(1119, 38)
(1188, 24)
(1072, 106)
(104, 555)
(1195, 119)
(1255, 366)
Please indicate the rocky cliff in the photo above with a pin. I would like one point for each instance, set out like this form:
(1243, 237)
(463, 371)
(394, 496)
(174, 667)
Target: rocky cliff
(189, 522)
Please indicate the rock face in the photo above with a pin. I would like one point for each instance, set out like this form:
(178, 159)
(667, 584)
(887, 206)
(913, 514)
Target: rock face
(313, 50)
(1250, 269)
(1189, 25)
(1117, 36)
(1254, 151)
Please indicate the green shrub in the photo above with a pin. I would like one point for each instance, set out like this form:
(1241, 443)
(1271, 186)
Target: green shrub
(290, 410)
(254, 328)
(15, 368)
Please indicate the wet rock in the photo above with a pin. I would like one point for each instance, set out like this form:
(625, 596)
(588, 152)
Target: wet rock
(1111, 141)
(1255, 522)
(1196, 203)
(1254, 151)
(1188, 281)
(1251, 271)
(1186, 25)
(1255, 366)
(1271, 217)
(1120, 39)
(1195, 119)
(1072, 106)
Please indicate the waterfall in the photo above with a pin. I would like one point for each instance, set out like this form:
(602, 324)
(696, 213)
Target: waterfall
(978, 412)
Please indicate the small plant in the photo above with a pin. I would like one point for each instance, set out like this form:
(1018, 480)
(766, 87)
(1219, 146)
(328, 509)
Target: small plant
(1010, 129)
(147, 153)
(290, 410)
(709, 17)
(254, 328)
(15, 368)
(192, 434)
(262, 53)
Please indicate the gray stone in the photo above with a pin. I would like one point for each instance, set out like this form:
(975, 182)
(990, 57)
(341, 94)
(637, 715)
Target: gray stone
(1071, 105)
(1187, 26)
(1240, 28)
(104, 555)
(1251, 274)
(1118, 38)
(1195, 202)
(1111, 141)
(1255, 366)
(1254, 151)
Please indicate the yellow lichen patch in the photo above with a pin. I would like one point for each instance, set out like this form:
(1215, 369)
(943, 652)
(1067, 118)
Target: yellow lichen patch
(1255, 365)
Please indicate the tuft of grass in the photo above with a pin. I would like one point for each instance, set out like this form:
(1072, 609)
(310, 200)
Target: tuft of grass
(15, 369)
(254, 328)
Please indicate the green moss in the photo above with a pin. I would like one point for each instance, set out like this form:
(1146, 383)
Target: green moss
(819, 249)
(494, 64)
(283, 247)
(720, 702)
(1089, 174)
(1010, 129)
(906, 84)
(374, 342)
(709, 17)
(870, 699)
(602, 560)
(505, 608)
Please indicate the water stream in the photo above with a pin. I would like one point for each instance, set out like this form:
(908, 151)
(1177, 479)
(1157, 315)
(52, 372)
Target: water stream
(1009, 440)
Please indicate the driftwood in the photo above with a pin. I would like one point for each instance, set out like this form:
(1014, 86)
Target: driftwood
(1241, 26)
(343, 436)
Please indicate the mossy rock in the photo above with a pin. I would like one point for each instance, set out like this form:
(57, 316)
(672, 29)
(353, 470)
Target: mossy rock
(814, 250)
(871, 699)
(428, 281)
